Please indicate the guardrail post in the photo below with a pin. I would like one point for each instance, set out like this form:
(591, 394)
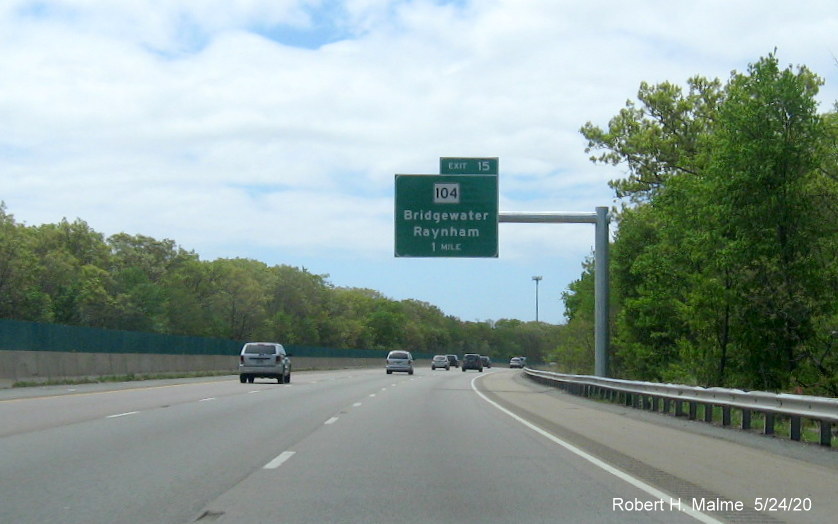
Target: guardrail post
(768, 428)
(725, 415)
(826, 433)
(693, 410)
(795, 428)
(708, 413)
(746, 419)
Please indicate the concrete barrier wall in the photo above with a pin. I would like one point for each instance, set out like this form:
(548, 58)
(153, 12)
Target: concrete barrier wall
(43, 366)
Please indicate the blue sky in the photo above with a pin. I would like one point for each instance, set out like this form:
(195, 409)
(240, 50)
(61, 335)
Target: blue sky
(272, 129)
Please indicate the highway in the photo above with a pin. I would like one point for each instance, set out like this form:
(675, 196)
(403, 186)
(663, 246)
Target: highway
(363, 446)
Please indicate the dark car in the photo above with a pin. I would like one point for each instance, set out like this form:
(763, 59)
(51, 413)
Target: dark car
(454, 360)
(472, 361)
(487, 362)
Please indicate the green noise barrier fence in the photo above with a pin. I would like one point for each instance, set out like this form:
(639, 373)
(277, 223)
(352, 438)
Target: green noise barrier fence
(17, 335)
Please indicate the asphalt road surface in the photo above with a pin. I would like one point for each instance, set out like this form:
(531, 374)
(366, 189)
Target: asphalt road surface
(363, 446)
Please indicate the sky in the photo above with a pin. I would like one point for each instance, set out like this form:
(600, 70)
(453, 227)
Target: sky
(273, 129)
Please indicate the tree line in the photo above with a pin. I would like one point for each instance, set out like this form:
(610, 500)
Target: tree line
(724, 264)
(68, 273)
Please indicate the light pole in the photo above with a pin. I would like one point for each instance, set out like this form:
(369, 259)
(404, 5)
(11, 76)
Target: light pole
(537, 279)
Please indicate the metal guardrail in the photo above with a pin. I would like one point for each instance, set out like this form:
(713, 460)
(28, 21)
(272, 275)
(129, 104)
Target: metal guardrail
(673, 398)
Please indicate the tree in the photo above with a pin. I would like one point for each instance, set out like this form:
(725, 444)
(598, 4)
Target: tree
(658, 140)
(764, 175)
(725, 255)
(20, 296)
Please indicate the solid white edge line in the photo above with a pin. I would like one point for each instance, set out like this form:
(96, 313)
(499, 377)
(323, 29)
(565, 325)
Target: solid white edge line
(660, 495)
(275, 463)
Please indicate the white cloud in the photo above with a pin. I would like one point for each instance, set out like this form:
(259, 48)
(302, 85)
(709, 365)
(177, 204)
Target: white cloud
(198, 121)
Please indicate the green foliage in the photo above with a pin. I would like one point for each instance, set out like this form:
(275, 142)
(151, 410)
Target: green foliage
(68, 273)
(725, 257)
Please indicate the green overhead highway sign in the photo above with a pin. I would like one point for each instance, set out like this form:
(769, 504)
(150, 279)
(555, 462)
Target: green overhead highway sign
(468, 166)
(446, 216)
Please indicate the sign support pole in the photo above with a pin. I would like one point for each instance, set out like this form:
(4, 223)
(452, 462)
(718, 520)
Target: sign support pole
(601, 261)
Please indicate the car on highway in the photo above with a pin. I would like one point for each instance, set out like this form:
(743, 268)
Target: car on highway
(472, 361)
(440, 361)
(454, 360)
(487, 362)
(516, 362)
(264, 360)
(399, 361)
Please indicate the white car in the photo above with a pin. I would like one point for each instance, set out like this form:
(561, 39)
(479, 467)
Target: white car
(516, 362)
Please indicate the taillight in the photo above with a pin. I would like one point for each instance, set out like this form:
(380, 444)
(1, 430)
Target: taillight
(241, 359)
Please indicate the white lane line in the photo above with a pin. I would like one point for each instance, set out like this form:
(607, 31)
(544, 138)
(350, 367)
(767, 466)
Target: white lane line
(372, 394)
(206, 399)
(275, 463)
(357, 404)
(651, 490)
(123, 414)
(331, 420)
(255, 391)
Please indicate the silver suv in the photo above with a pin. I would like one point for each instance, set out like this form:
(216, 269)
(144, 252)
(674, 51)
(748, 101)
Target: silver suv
(264, 360)
(400, 361)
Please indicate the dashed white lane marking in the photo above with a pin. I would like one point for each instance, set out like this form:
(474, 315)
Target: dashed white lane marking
(275, 463)
(206, 399)
(331, 420)
(372, 394)
(123, 414)
(357, 404)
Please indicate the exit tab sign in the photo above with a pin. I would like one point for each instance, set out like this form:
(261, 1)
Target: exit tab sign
(468, 166)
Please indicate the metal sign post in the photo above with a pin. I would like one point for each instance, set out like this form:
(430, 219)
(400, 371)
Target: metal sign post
(601, 219)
